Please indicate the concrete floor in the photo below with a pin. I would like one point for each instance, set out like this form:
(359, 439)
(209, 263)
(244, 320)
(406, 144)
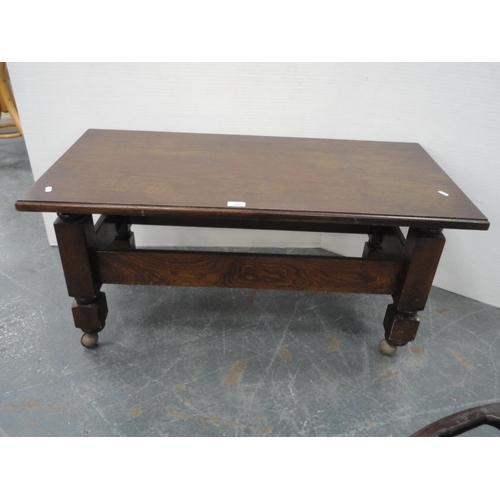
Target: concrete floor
(221, 362)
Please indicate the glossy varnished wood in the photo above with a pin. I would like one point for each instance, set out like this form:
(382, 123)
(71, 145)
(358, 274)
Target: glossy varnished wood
(195, 175)
(285, 184)
(247, 270)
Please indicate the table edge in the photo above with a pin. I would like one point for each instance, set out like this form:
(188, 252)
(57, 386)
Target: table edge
(254, 214)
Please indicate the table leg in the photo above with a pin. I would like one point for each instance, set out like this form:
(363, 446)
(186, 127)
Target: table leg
(76, 238)
(421, 254)
(113, 233)
(385, 243)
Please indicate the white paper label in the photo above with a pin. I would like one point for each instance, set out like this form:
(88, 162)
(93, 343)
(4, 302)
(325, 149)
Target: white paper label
(48, 189)
(236, 204)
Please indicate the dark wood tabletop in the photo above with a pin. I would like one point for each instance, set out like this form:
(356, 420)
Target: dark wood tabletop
(342, 181)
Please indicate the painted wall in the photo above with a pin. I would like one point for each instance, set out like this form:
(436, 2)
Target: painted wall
(451, 109)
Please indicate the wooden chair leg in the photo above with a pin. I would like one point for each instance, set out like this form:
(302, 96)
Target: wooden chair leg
(8, 104)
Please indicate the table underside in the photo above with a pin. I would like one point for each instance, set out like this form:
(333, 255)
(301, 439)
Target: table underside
(246, 270)
(105, 253)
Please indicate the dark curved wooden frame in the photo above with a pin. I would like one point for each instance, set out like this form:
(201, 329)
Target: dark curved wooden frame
(463, 421)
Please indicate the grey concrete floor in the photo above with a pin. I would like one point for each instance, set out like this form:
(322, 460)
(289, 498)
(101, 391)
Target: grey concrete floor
(221, 362)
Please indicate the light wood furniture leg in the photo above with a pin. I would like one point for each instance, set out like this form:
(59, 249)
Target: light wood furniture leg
(7, 104)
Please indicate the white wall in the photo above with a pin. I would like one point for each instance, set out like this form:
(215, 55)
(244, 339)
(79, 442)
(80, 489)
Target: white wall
(451, 109)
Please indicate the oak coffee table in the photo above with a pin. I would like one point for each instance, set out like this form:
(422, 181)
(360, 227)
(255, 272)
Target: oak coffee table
(270, 183)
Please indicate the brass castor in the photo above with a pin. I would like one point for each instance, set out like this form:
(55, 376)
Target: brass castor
(386, 348)
(89, 339)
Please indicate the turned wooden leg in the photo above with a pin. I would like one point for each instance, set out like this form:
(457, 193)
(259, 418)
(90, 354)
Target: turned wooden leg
(384, 243)
(113, 233)
(90, 316)
(76, 239)
(421, 254)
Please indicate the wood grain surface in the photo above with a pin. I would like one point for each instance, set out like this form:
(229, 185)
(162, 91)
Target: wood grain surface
(246, 270)
(341, 181)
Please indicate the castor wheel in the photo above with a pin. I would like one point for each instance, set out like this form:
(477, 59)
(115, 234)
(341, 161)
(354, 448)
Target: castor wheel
(89, 339)
(386, 348)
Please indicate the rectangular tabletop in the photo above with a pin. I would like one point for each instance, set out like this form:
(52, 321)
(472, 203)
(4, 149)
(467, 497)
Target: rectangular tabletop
(339, 181)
